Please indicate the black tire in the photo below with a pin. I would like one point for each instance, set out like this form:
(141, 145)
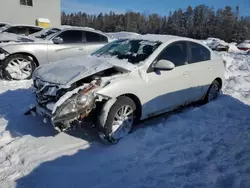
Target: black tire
(106, 129)
(217, 85)
(6, 74)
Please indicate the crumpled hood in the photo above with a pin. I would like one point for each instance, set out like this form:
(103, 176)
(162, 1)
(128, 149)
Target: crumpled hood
(67, 72)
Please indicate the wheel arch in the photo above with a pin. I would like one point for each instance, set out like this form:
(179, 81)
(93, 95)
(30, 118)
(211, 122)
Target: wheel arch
(218, 79)
(137, 103)
(28, 54)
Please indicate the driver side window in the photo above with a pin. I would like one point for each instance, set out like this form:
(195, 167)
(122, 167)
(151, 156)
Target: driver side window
(176, 53)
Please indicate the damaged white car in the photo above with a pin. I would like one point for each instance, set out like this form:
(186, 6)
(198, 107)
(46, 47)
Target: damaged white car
(126, 81)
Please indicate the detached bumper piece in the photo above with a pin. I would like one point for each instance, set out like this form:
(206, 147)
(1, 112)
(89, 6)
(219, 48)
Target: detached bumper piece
(60, 126)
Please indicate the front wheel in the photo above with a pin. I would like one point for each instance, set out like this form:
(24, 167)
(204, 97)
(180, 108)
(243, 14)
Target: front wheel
(18, 67)
(119, 121)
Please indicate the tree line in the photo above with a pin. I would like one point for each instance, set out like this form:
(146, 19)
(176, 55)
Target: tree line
(198, 22)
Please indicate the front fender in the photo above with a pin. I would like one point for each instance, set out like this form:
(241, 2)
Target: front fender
(120, 87)
(35, 50)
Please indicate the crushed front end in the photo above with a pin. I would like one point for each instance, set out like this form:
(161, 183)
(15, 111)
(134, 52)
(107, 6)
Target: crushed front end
(65, 107)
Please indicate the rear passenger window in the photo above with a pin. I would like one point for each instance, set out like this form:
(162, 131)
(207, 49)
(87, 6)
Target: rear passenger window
(71, 36)
(176, 53)
(198, 53)
(95, 37)
(17, 30)
(34, 30)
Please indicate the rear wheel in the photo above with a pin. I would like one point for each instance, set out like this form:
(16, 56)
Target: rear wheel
(18, 67)
(213, 91)
(119, 121)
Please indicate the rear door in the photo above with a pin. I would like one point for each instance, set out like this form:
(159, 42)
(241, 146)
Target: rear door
(73, 46)
(94, 41)
(199, 70)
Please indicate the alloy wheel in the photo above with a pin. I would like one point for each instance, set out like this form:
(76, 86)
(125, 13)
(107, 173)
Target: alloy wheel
(19, 68)
(122, 122)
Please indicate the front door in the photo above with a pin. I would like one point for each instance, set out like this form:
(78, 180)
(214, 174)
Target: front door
(72, 46)
(94, 41)
(167, 90)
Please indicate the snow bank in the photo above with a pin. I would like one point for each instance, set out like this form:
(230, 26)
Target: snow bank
(233, 48)
(213, 43)
(237, 76)
(206, 146)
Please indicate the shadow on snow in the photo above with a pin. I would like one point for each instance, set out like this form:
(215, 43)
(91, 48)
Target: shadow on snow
(123, 164)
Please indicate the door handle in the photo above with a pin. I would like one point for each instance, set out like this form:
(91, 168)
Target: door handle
(80, 49)
(184, 73)
(209, 68)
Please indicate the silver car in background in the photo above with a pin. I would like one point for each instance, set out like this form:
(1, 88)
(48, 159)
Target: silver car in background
(4, 25)
(21, 29)
(19, 60)
(16, 33)
(43, 34)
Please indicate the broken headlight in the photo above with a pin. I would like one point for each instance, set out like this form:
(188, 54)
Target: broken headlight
(79, 104)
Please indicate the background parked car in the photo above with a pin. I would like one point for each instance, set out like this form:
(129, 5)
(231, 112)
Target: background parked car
(3, 25)
(245, 45)
(43, 34)
(22, 29)
(17, 32)
(217, 44)
(19, 60)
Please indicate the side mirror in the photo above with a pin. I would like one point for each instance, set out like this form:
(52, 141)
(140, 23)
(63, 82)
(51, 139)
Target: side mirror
(163, 65)
(58, 40)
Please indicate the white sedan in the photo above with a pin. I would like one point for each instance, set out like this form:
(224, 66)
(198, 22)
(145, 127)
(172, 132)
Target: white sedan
(125, 81)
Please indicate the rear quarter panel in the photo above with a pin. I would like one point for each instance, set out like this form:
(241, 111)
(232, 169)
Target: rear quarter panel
(218, 67)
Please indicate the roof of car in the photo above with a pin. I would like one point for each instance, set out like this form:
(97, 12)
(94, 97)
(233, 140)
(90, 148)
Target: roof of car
(82, 28)
(5, 23)
(158, 37)
(76, 27)
(26, 25)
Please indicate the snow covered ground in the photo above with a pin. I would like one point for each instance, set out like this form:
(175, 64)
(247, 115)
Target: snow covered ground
(206, 146)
